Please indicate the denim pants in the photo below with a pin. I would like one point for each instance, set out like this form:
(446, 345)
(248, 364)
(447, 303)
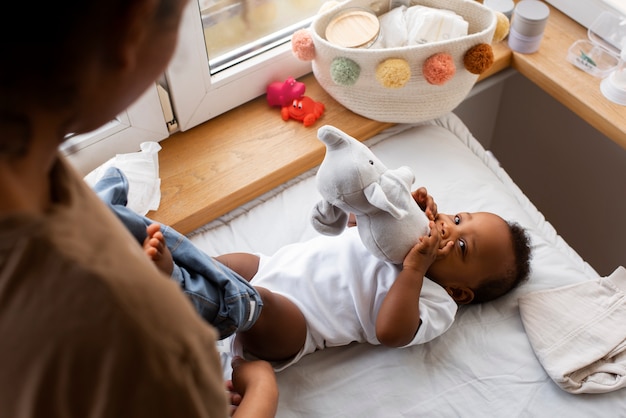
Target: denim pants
(222, 297)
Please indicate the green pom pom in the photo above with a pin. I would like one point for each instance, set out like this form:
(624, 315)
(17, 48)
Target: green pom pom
(344, 71)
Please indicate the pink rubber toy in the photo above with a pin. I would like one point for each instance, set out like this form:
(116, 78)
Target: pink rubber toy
(283, 94)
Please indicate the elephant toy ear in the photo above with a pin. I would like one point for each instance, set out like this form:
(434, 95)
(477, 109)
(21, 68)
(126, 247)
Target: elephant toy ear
(377, 197)
(328, 219)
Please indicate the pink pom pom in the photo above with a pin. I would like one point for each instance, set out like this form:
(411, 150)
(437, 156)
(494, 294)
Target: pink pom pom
(439, 68)
(302, 45)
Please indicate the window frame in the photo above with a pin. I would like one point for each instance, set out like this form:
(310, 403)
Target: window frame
(586, 11)
(143, 121)
(197, 96)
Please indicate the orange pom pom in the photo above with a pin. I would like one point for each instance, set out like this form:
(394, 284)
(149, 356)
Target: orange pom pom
(439, 68)
(478, 59)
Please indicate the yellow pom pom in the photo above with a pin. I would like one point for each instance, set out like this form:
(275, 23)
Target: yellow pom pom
(393, 73)
(502, 27)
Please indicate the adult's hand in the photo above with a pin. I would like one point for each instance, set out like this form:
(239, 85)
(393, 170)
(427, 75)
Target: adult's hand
(253, 389)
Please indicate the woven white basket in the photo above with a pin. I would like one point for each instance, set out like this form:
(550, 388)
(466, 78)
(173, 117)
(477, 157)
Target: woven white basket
(417, 100)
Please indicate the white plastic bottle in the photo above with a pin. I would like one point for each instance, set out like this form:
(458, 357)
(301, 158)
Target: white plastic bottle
(614, 86)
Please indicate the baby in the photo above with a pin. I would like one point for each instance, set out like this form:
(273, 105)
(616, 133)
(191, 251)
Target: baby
(331, 291)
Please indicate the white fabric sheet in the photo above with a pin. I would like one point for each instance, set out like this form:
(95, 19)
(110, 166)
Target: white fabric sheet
(484, 365)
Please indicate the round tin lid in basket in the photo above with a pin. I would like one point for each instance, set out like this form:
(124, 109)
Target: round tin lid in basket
(353, 28)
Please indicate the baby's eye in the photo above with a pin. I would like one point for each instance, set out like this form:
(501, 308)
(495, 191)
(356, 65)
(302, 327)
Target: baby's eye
(457, 219)
(463, 246)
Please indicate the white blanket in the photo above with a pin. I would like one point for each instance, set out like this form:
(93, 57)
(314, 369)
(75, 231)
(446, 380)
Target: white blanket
(579, 333)
(484, 365)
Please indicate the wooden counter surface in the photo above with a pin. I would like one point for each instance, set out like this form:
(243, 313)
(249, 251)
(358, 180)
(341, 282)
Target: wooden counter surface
(225, 162)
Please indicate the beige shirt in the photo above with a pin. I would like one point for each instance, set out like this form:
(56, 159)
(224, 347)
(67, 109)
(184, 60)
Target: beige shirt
(89, 327)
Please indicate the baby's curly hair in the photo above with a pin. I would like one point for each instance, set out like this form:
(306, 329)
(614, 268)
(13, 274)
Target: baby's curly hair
(495, 286)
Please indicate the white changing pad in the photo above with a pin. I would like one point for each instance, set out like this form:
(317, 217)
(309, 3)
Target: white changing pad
(484, 366)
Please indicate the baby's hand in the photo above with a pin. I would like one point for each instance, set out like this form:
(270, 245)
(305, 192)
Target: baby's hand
(425, 202)
(426, 251)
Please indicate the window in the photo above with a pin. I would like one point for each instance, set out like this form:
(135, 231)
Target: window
(230, 50)
(586, 11)
(236, 30)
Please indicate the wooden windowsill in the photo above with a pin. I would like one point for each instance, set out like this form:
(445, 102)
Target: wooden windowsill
(225, 162)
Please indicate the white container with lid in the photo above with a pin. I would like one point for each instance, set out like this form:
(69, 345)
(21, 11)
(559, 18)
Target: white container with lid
(599, 54)
(503, 6)
(614, 86)
(527, 25)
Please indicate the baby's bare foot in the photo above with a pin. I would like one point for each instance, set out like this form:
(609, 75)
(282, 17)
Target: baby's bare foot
(154, 246)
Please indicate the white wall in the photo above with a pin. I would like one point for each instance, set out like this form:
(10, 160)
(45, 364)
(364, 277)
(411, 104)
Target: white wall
(572, 173)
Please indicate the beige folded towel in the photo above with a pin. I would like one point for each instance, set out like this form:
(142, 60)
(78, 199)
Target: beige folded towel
(578, 333)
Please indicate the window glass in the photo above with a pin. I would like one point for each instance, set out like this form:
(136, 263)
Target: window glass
(228, 52)
(236, 30)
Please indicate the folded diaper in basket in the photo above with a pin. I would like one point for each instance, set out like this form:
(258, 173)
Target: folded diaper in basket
(416, 25)
(578, 333)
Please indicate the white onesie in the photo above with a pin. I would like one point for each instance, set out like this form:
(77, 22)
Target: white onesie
(339, 287)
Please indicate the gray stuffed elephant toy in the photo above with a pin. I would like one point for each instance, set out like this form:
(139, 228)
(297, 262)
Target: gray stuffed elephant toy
(351, 179)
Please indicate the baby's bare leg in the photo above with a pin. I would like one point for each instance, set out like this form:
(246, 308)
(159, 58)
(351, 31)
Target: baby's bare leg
(280, 331)
(154, 246)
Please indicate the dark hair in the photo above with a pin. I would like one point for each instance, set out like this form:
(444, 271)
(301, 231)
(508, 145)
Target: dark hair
(47, 47)
(498, 285)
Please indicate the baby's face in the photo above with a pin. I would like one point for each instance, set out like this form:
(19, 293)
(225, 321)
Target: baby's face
(482, 247)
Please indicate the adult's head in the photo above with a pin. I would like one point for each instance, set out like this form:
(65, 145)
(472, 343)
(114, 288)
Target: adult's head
(72, 66)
